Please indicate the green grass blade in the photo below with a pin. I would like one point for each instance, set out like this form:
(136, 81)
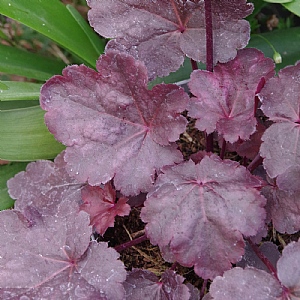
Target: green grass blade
(23, 63)
(18, 90)
(53, 19)
(25, 137)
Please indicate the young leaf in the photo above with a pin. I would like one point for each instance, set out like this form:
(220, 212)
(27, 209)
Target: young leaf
(142, 284)
(225, 98)
(112, 125)
(102, 207)
(198, 214)
(162, 32)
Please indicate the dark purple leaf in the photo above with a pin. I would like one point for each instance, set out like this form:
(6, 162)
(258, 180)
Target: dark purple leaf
(112, 125)
(198, 214)
(248, 148)
(250, 258)
(289, 269)
(247, 284)
(102, 207)
(281, 103)
(289, 180)
(225, 98)
(162, 32)
(142, 284)
(283, 208)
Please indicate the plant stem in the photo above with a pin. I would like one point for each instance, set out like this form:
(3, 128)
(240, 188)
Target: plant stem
(129, 244)
(223, 149)
(255, 163)
(263, 258)
(194, 64)
(272, 269)
(209, 37)
(209, 57)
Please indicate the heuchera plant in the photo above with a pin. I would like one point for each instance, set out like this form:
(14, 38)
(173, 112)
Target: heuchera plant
(120, 142)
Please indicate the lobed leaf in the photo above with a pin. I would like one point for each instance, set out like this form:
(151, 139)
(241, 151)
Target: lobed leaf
(247, 284)
(43, 185)
(45, 244)
(142, 284)
(288, 269)
(162, 32)
(280, 102)
(198, 214)
(252, 283)
(100, 204)
(283, 208)
(112, 125)
(225, 98)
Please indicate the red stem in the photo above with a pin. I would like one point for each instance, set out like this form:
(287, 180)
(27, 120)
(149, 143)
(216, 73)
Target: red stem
(223, 149)
(129, 244)
(194, 64)
(209, 36)
(263, 258)
(255, 163)
(209, 57)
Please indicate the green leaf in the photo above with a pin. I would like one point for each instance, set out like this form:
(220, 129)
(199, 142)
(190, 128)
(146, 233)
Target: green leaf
(53, 19)
(180, 75)
(3, 87)
(285, 41)
(9, 105)
(23, 63)
(18, 90)
(293, 6)
(95, 40)
(7, 172)
(25, 137)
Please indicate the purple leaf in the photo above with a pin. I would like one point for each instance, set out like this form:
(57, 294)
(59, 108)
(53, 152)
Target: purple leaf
(142, 284)
(112, 125)
(250, 258)
(289, 180)
(198, 214)
(43, 186)
(102, 207)
(247, 284)
(56, 258)
(162, 32)
(281, 103)
(249, 148)
(283, 208)
(289, 269)
(225, 98)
